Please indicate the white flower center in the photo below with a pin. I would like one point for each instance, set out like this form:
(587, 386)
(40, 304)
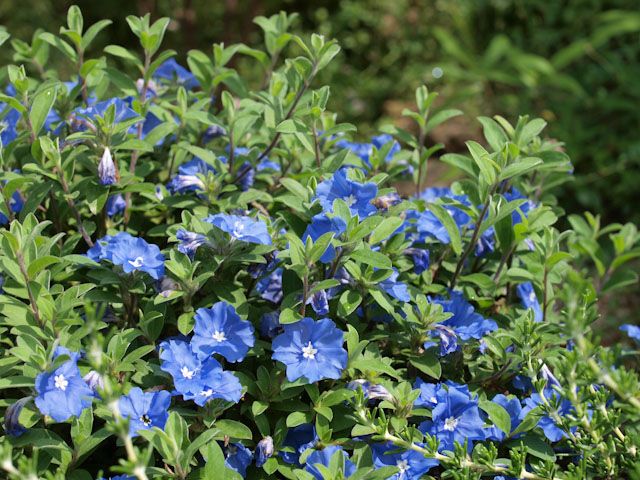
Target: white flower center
(186, 373)
(207, 393)
(219, 336)
(450, 424)
(61, 383)
(146, 420)
(137, 263)
(309, 351)
(403, 466)
(532, 297)
(350, 200)
(238, 229)
(433, 400)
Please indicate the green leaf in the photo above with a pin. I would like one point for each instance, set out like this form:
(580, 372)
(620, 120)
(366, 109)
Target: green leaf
(234, 429)
(385, 229)
(42, 103)
(522, 166)
(40, 264)
(348, 302)
(428, 363)
(494, 134)
(369, 257)
(449, 224)
(498, 415)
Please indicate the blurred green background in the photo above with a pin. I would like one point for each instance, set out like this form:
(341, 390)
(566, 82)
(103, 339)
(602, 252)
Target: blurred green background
(575, 63)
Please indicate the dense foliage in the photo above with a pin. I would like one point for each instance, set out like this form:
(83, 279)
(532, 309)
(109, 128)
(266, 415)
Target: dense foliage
(205, 280)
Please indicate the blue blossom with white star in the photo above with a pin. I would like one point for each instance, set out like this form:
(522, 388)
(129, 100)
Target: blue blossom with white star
(62, 393)
(455, 418)
(220, 330)
(135, 254)
(411, 465)
(311, 349)
(144, 410)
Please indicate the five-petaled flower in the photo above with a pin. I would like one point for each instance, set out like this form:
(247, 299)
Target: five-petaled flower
(145, 410)
(220, 330)
(311, 349)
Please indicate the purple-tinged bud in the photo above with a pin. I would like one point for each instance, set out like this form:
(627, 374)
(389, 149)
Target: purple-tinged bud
(11, 424)
(167, 286)
(319, 302)
(189, 241)
(371, 392)
(214, 131)
(107, 171)
(264, 451)
(94, 380)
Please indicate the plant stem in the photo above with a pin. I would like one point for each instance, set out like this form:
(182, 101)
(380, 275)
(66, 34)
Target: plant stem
(32, 298)
(72, 206)
(290, 113)
(474, 239)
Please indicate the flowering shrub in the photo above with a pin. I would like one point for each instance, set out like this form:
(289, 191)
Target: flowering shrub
(205, 280)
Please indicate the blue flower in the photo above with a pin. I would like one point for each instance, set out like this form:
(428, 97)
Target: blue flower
(244, 229)
(311, 349)
(428, 225)
(321, 224)
(245, 176)
(465, 322)
(357, 196)
(264, 451)
(561, 405)
(396, 289)
(107, 171)
(270, 286)
(525, 208)
(133, 254)
(270, 325)
(9, 125)
(189, 241)
(428, 397)
(633, 331)
(115, 205)
(187, 179)
(514, 409)
(220, 329)
(15, 203)
(324, 456)
(364, 150)
(11, 423)
(298, 439)
(213, 132)
(174, 72)
(84, 117)
(529, 299)
(420, 258)
(486, 242)
(145, 410)
(238, 458)
(411, 465)
(455, 418)
(63, 393)
(186, 368)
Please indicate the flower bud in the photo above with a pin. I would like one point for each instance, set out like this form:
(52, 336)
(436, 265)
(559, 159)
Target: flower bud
(264, 450)
(94, 380)
(107, 169)
(11, 424)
